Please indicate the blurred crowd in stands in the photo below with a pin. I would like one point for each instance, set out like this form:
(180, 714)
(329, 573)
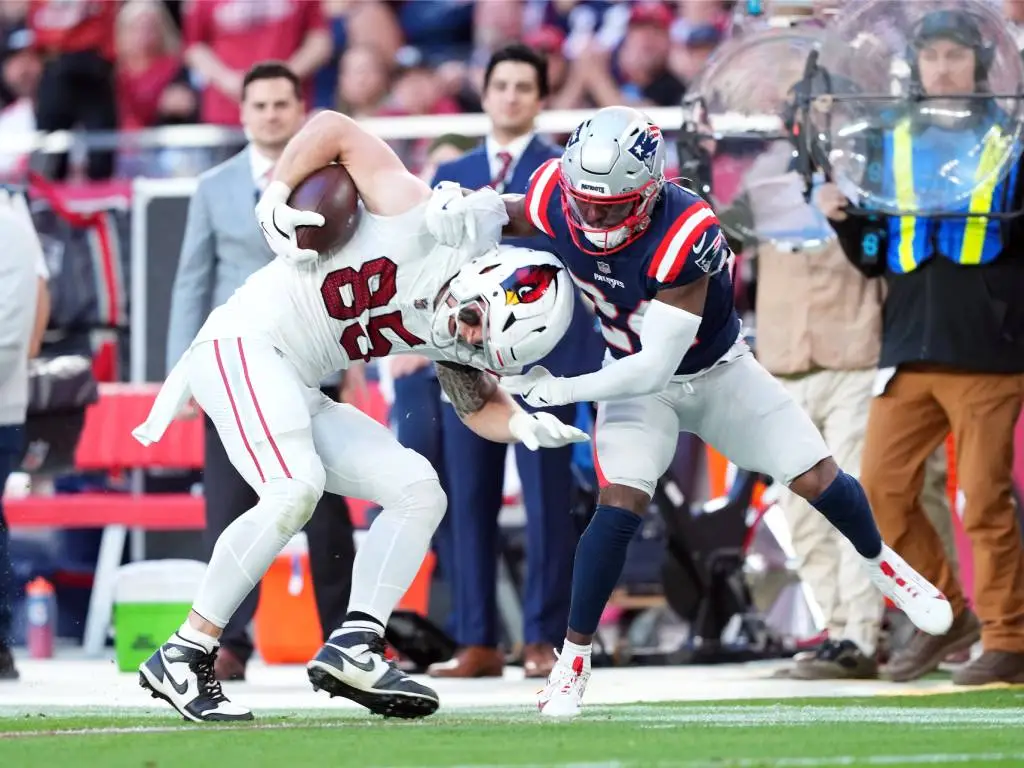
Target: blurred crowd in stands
(107, 64)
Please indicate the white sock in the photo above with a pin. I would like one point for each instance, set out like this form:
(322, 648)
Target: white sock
(358, 626)
(392, 552)
(570, 651)
(248, 546)
(195, 636)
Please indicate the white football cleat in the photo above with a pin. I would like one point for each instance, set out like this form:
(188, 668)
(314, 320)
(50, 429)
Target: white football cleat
(563, 694)
(181, 673)
(924, 605)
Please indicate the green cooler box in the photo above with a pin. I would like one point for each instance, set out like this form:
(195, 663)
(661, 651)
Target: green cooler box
(151, 600)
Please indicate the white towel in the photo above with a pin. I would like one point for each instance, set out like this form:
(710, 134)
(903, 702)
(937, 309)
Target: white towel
(169, 401)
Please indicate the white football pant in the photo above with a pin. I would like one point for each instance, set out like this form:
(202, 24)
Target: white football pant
(290, 442)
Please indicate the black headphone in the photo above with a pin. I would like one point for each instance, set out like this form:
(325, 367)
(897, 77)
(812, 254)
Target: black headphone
(959, 26)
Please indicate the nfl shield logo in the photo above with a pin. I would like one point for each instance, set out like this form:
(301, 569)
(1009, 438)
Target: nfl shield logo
(603, 267)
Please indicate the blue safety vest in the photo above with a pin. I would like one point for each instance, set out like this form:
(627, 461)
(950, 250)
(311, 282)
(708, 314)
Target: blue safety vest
(913, 161)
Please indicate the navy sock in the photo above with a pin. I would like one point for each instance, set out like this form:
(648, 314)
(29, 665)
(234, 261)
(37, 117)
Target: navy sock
(845, 505)
(600, 556)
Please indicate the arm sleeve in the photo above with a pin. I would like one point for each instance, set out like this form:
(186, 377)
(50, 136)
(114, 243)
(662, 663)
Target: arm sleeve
(666, 335)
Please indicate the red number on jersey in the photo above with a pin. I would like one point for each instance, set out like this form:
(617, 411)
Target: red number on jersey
(349, 293)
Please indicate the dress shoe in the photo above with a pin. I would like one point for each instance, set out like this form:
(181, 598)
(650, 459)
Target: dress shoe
(471, 661)
(924, 653)
(992, 667)
(538, 659)
(228, 665)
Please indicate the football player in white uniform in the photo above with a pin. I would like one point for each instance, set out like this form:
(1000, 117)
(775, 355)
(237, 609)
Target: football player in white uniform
(254, 369)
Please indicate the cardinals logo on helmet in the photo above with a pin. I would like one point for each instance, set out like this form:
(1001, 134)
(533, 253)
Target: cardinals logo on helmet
(528, 284)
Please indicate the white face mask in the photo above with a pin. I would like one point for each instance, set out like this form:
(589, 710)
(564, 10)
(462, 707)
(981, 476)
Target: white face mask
(607, 240)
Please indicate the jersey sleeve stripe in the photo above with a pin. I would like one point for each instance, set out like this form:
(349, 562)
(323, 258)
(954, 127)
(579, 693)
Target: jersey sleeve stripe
(539, 196)
(691, 243)
(674, 250)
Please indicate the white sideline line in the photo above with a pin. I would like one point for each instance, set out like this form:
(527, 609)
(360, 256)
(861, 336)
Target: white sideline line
(643, 717)
(783, 762)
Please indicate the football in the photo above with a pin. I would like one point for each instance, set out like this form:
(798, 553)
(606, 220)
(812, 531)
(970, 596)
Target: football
(331, 193)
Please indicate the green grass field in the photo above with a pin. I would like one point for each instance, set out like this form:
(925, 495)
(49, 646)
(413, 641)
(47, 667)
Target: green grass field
(971, 729)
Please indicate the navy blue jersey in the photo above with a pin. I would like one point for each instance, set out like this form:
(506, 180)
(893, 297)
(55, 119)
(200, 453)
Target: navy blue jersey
(682, 244)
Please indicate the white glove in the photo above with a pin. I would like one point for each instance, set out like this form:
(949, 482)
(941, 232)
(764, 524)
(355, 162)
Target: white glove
(278, 221)
(537, 387)
(542, 430)
(449, 219)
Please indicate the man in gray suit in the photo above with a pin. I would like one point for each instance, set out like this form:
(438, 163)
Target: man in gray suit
(222, 246)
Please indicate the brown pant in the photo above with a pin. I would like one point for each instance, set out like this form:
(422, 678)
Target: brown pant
(917, 411)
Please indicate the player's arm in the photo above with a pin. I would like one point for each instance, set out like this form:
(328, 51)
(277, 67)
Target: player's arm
(385, 186)
(519, 225)
(478, 401)
(493, 414)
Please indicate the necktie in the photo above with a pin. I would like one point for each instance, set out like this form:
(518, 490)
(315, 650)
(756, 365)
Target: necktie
(263, 182)
(504, 163)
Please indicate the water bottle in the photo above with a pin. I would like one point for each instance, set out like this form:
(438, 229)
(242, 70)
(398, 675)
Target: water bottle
(41, 610)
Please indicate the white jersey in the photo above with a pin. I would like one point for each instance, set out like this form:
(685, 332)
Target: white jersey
(374, 297)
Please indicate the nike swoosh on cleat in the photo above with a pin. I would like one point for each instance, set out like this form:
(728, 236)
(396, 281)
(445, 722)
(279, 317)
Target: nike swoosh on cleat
(366, 666)
(180, 689)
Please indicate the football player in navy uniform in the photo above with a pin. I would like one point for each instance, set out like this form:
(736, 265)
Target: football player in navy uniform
(651, 259)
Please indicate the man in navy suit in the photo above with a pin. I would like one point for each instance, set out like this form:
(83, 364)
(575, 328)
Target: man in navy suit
(515, 86)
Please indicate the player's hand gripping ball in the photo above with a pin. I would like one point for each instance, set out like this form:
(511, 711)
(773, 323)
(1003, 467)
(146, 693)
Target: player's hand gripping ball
(318, 217)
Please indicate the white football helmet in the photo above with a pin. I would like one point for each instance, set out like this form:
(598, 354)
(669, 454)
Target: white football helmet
(612, 170)
(522, 300)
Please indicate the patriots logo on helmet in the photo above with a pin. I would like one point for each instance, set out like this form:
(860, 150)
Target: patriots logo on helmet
(645, 147)
(528, 284)
(575, 135)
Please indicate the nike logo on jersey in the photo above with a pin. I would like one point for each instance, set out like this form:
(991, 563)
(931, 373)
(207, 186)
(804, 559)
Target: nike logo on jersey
(365, 666)
(699, 245)
(180, 688)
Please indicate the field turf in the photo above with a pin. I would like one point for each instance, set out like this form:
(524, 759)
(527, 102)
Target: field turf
(983, 728)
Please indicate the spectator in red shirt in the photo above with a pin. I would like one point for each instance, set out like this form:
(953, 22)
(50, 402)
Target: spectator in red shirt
(152, 84)
(77, 89)
(226, 37)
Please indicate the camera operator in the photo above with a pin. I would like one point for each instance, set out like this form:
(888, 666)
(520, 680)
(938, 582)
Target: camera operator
(952, 356)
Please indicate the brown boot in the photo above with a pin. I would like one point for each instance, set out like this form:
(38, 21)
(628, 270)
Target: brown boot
(924, 652)
(228, 665)
(538, 659)
(836, 661)
(992, 667)
(471, 661)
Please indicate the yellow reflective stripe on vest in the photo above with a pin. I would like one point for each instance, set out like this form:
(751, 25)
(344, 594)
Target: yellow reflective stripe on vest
(903, 169)
(981, 199)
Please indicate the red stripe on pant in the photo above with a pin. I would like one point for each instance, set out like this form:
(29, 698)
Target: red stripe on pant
(234, 409)
(259, 412)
